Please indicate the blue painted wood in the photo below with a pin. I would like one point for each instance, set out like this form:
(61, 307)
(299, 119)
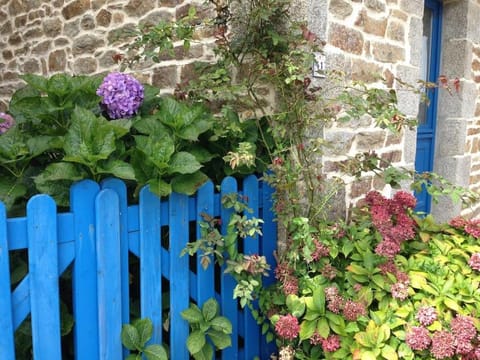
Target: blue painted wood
(94, 234)
(228, 304)
(121, 189)
(7, 344)
(179, 275)
(109, 283)
(151, 262)
(251, 247)
(43, 272)
(205, 277)
(84, 275)
(426, 131)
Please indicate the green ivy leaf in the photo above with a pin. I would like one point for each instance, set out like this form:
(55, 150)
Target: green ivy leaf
(130, 337)
(195, 342)
(155, 352)
(210, 309)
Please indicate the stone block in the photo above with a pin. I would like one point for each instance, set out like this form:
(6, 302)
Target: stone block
(340, 8)
(86, 44)
(103, 18)
(317, 18)
(458, 105)
(369, 140)
(456, 58)
(339, 142)
(75, 8)
(137, 8)
(85, 66)
(412, 6)
(451, 137)
(387, 53)
(52, 27)
(87, 22)
(396, 31)
(57, 61)
(345, 38)
(165, 77)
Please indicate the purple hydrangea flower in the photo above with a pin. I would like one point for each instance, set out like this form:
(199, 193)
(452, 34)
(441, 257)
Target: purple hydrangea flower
(6, 122)
(122, 95)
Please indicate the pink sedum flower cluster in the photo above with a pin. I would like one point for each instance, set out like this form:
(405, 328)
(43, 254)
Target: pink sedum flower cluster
(287, 327)
(285, 275)
(350, 309)
(474, 261)
(471, 227)
(391, 218)
(426, 315)
(460, 340)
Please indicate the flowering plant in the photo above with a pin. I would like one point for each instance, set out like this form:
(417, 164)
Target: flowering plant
(386, 285)
(122, 95)
(57, 131)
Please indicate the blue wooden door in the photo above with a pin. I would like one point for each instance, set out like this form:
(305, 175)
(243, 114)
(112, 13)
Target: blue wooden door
(427, 116)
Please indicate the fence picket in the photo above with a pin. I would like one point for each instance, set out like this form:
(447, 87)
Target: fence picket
(84, 275)
(151, 262)
(205, 205)
(121, 189)
(228, 304)
(96, 235)
(251, 246)
(43, 272)
(179, 275)
(7, 345)
(109, 284)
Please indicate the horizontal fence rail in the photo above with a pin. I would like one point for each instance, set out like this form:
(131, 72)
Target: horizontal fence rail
(97, 241)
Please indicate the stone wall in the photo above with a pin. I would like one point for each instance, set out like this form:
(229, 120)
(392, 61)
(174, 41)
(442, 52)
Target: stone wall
(368, 39)
(83, 37)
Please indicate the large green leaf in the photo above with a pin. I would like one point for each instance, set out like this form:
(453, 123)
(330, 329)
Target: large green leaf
(307, 329)
(40, 144)
(206, 353)
(189, 183)
(59, 85)
(193, 314)
(151, 125)
(117, 168)
(12, 146)
(220, 339)
(222, 324)
(130, 337)
(37, 82)
(160, 187)
(145, 330)
(155, 352)
(210, 309)
(183, 163)
(158, 150)
(10, 190)
(89, 138)
(195, 342)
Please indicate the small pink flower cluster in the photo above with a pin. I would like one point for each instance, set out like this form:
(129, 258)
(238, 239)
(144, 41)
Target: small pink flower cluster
(6, 122)
(336, 304)
(330, 344)
(284, 274)
(474, 261)
(426, 315)
(471, 227)
(461, 340)
(287, 327)
(329, 272)
(390, 217)
(321, 250)
(399, 290)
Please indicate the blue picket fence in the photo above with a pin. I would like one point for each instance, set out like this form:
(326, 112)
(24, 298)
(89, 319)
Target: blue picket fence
(95, 238)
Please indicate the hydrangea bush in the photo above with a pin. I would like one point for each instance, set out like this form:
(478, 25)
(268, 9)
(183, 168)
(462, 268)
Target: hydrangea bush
(387, 285)
(62, 129)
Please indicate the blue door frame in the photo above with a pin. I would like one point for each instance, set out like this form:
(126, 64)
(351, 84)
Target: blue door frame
(431, 44)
